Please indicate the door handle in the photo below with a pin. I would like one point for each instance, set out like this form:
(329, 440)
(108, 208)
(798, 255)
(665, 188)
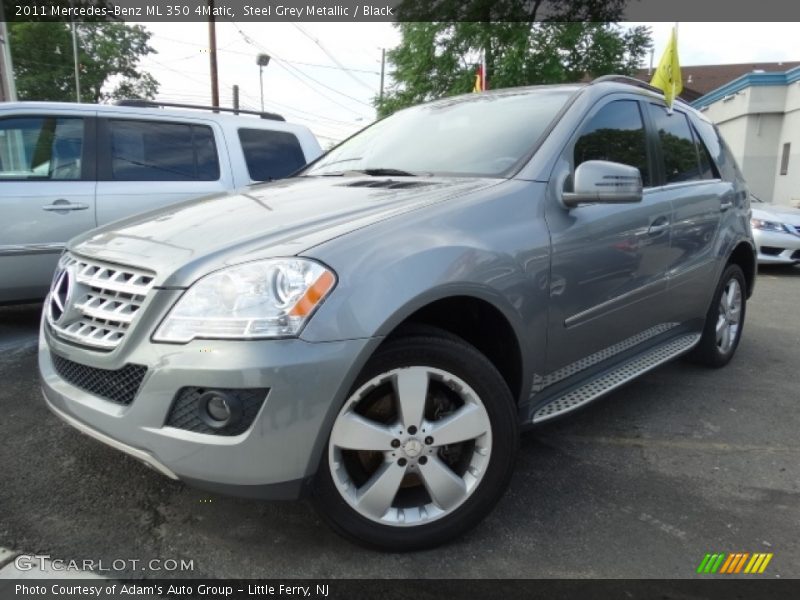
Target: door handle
(725, 205)
(658, 226)
(65, 206)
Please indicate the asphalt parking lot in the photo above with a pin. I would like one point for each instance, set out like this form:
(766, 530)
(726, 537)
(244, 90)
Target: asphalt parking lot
(644, 483)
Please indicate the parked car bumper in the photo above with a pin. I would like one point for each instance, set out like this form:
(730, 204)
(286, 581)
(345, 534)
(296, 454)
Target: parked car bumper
(777, 248)
(303, 384)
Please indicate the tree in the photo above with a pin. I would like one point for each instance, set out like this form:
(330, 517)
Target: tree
(108, 58)
(439, 58)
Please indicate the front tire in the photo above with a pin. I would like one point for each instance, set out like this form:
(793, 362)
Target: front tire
(724, 321)
(423, 447)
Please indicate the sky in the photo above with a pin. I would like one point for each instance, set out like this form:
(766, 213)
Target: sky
(324, 75)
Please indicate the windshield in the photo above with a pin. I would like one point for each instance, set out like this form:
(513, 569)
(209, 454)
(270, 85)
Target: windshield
(480, 135)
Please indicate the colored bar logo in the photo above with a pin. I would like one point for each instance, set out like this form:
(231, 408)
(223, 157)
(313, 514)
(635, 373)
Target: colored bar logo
(733, 563)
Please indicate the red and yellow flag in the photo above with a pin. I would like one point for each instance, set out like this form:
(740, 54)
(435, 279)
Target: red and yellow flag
(480, 79)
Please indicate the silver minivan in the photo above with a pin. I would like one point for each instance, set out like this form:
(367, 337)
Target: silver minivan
(68, 168)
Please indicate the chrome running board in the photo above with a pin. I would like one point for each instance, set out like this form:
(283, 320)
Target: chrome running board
(620, 375)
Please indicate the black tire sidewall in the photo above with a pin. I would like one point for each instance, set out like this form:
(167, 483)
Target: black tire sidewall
(459, 358)
(707, 351)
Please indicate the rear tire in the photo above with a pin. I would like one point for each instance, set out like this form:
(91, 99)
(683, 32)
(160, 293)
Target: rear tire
(423, 447)
(724, 321)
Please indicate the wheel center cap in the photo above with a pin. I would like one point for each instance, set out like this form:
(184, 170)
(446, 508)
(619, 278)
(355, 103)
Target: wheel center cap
(412, 448)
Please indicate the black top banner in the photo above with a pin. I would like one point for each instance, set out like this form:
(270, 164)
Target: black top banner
(399, 10)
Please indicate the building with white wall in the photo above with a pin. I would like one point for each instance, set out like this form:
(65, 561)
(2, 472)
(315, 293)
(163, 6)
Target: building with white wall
(758, 114)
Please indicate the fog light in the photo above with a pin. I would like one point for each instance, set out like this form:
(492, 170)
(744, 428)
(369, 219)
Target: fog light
(218, 409)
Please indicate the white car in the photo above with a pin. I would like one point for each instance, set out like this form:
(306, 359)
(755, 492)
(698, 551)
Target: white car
(776, 230)
(68, 168)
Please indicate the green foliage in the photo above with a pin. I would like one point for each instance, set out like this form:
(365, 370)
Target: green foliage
(437, 59)
(108, 56)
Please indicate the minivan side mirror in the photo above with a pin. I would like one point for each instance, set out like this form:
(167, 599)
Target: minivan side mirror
(602, 181)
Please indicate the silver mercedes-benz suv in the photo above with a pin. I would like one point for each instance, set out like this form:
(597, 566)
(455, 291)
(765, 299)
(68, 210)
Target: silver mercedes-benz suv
(375, 331)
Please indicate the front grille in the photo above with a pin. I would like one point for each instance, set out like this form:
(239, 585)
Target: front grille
(119, 386)
(796, 255)
(186, 410)
(103, 302)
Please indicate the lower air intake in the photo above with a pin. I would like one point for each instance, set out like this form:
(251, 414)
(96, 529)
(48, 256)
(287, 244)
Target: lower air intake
(119, 386)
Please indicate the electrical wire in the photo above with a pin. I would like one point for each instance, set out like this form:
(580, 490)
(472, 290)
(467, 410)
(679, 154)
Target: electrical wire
(290, 68)
(295, 62)
(330, 55)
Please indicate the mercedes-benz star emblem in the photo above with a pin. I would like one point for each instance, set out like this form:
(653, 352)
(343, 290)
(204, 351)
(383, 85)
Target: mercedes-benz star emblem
(60, 295)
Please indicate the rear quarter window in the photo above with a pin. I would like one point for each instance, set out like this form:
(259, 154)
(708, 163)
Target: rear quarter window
(271, 154)
(718, 150)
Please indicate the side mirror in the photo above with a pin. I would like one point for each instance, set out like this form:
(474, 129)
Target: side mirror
(601, 181)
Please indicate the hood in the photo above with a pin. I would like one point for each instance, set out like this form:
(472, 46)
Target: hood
(185, 241)
(781, 214)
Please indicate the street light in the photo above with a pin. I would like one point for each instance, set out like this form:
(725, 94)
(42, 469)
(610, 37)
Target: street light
(262, 60)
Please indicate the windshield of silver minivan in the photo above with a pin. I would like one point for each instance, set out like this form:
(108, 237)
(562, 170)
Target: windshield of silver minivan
(479, 135)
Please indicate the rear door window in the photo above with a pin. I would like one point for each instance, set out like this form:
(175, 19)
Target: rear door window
(162, 151)
(41, 148)
(270, 154)
(678, 149)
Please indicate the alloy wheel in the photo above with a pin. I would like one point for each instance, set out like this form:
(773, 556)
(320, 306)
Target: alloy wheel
(730, 316)
(410, 446)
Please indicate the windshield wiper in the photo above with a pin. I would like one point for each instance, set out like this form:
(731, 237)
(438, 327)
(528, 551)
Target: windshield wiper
(371, 172)
(379, 172)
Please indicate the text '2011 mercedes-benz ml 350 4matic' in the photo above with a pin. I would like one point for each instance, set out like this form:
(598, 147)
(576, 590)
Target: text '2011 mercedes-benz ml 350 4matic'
(374, 331)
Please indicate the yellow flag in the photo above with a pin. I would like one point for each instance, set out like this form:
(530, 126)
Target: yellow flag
(668, 74)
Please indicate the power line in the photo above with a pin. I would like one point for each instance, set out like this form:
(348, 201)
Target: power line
(296, 112)
(288, 66)
(330, 55)
(295, 62)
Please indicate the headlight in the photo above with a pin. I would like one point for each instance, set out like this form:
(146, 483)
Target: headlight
(768, 225)
(263, 299)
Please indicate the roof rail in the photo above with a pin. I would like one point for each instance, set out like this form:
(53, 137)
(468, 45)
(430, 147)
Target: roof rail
(629, 80)
(136, 102)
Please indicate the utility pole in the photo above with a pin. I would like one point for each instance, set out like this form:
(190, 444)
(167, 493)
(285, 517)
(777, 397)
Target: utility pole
(8, 92)
(236, 99)
(75, 61)
(212, 47)
(383, 70)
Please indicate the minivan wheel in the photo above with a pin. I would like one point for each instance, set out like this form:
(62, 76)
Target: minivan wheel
(724, 321)
(423, 447)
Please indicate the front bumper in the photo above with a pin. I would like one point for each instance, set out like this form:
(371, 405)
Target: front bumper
(775, 248)
(307, 384)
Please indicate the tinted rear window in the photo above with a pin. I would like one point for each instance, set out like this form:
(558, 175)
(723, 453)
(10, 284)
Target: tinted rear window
(270, 154)
(719, 151)
(677, 145)
(161, 151)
